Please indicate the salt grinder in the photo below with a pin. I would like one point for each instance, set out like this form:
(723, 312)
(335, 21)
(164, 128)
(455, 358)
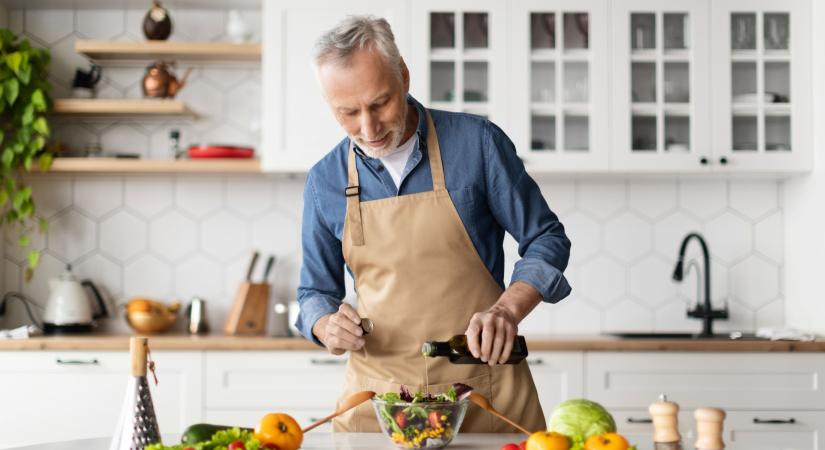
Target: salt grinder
(709, 428)
(665, 424)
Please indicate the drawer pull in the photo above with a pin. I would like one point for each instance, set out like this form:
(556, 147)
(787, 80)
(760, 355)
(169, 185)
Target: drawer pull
(327, 362)
(639, 420)
(78, 362)
(774, 421)
(535, 362)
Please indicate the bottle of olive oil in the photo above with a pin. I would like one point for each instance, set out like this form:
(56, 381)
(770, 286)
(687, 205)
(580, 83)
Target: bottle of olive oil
(665, 424)
(458, 352)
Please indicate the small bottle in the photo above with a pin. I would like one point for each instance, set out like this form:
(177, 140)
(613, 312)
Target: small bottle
(458, 352)
(174, 144)
(709, 428)
(665, 424)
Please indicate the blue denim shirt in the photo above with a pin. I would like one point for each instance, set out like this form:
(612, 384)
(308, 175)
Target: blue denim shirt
(487, 184)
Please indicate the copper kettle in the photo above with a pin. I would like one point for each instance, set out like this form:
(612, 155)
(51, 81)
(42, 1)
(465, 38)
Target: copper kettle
(160, 82)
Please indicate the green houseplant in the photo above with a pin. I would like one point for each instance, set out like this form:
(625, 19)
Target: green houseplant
(24, 128)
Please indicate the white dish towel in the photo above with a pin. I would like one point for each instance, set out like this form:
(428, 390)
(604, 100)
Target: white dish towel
(784, 334)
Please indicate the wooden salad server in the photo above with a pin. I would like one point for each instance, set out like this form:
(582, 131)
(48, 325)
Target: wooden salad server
(481, 401)
(350, 402)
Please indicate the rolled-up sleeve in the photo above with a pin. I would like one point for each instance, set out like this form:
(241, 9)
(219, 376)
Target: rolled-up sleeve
(518, 205)
(321, 288)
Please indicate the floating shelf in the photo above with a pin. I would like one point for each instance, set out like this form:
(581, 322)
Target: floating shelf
(168, 50)
(126, 165)
(120, 107)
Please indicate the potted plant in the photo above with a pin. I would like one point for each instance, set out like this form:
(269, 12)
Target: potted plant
(24, 128)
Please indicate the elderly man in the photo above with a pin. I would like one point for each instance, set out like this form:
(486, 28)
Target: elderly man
(415, 203)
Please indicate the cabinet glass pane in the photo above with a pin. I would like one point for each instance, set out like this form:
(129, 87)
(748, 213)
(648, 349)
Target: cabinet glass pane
(677, 133)
(576, 84)
(676, 31)
(576, 133)
(743, 82)
(543, 132)
(776, 30)
(744, 133)
(475, 81)
(543, 82)
(643, 80)
(644, 133)
(442, 30)
(777, 133)
(642, 31)
(442, 81)
(677, 82)
(743, 31)
(576, 31)
(777, 82)
(476, 31)
(542, 30)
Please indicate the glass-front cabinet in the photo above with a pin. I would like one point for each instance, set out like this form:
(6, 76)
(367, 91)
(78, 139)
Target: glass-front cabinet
(762, 83)
(458, 57)
(558, 90)
(661, 115)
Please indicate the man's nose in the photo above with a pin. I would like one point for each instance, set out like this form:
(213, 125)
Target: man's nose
(369, 126)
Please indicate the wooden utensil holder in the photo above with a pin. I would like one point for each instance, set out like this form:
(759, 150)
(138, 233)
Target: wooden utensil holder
(249, 311)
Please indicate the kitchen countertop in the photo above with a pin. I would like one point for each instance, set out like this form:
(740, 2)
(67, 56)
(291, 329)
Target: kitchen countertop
(319, 441)
(535, 343)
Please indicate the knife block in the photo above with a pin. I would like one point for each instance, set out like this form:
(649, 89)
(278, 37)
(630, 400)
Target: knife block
(249, 311)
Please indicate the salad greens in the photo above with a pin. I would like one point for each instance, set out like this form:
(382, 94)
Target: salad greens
(421, 419)
(219, 441)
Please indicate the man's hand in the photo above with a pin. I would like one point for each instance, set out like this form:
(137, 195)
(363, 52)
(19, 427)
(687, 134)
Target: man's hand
(491, 333)
(340, 332)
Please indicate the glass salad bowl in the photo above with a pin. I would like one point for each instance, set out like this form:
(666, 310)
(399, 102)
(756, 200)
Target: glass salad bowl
(420, 424)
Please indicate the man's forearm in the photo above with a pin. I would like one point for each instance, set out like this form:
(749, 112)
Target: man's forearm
(519, 299)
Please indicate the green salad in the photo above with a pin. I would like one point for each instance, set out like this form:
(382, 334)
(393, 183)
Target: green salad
(221, 440)
(421, 420)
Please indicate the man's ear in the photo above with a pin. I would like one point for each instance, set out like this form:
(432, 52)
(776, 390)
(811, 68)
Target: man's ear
(405, 76)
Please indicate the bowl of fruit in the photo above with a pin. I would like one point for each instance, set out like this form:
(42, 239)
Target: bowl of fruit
(421, 420)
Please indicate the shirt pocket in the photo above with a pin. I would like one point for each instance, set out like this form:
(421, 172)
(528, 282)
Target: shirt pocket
(464, 200)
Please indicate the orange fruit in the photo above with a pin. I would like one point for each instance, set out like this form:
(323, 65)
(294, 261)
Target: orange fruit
(547, 440)
(606, 441)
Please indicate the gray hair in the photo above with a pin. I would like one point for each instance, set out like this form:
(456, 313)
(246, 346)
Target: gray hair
(355, 33)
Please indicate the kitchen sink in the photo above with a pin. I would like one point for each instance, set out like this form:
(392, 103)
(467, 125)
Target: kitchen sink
(733, 336)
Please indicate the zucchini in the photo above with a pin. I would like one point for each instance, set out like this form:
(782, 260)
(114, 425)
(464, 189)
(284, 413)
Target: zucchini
(201, 432)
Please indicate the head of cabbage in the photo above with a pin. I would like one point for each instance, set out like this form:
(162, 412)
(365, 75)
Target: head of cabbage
(579, 419)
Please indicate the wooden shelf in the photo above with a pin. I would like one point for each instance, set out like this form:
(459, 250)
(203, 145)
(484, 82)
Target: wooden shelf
(168, 50)
(120, 107)
(126, 165)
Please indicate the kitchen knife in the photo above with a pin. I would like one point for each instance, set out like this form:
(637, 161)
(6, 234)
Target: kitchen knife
(251, 266)
(270, 262)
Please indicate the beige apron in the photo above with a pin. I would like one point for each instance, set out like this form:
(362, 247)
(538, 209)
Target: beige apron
(418, 278)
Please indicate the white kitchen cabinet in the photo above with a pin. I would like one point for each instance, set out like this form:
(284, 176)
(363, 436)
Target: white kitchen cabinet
(558, 377)
(637, 427)
(243, 386)
(457, 56)
(558, 92)
(661, 108)
(298, 126)
(53, 396)
(761, 67)
(772, 430)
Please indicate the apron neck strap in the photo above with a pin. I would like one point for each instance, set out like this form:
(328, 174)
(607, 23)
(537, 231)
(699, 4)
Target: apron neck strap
(434, 151)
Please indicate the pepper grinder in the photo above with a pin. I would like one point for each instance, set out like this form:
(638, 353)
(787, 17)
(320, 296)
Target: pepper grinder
(665, 424)
(709, 428)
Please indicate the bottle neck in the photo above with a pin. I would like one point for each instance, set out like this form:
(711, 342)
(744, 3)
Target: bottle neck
(436, 348)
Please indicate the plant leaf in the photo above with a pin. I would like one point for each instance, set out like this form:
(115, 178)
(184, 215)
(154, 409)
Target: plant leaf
(27, 163)
(29, 274)
(45, 162)
(41, 126)
(43, 225)
(38, 100)
(13, 60)
(8, 157)
(25, 73)
(28, 115)
(33, 258)
(24, 241)
(11, 90)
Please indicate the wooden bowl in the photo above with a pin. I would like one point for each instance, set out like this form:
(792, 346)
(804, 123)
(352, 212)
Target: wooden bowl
(150, 322)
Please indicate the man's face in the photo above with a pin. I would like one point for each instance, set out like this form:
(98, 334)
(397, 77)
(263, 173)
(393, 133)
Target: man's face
(368, 100)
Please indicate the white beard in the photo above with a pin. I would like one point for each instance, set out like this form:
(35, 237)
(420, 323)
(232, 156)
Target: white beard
(397, 133)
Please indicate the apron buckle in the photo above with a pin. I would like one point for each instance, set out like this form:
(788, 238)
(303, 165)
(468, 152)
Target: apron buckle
(352, 191)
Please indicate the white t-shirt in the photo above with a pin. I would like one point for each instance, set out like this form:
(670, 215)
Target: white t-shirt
(396, 161)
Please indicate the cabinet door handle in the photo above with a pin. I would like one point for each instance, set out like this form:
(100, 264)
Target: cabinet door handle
(723, 160)
(78, 362)
(639, 420)
(535, 362)
(327, 362)
(773, 421)
(703, 161)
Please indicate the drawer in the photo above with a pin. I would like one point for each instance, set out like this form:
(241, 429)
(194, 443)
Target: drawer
(727, 380)
(250, 417)
(772, 430)
(637, 427)
(558, 377)
(273, 381)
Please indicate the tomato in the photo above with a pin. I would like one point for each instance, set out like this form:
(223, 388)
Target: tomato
(509, 446)
(547, 440)
(522, 445)
(280, 430)
(401, 419)
(236, 445)
(269, 446)
(606, 441)
(435, 419)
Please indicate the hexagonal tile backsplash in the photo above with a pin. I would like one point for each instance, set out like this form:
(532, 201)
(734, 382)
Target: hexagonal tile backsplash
(178, 236)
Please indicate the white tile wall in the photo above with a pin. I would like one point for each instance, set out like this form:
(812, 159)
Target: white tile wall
(173, 237)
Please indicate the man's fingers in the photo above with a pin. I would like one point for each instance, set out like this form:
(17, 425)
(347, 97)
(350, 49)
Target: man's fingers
(508, 345)
(472, 338)
(342, 321)
(498, 345)
(349, 312)
(487, 336)
(342, 338)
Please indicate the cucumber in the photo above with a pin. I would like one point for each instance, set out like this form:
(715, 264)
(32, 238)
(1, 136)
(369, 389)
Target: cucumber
(201, 432)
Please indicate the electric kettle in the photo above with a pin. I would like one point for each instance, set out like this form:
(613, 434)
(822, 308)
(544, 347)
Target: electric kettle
(69, 309)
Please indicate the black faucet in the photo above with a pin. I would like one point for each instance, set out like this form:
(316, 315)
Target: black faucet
(701, 311)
